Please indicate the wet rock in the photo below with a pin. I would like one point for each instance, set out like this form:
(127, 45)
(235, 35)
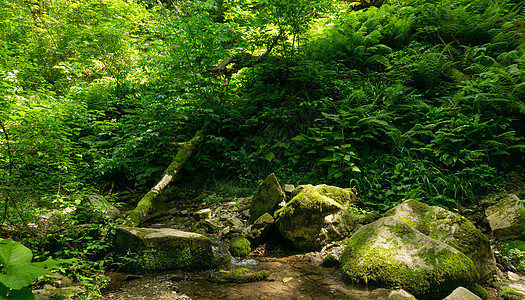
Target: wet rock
(222, 257)
(507, 218)
(261, 228)
(389, 253)
(266, 198)
(331, 253)
(513, 276)
(50, 292)
(240, 246)
(462, 293)
(202, 214)
(209, 226)
(159, 249)
(452, 229)
(400, 295)
(312, 220)
(236, 225)
(512, 291)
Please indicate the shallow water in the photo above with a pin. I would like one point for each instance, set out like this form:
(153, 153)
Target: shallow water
(297, 276)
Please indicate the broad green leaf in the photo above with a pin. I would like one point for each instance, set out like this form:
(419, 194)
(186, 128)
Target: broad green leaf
(53, 263)
(14, 254)
(21, 276)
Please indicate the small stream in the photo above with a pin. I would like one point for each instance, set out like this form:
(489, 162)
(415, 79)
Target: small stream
(297, 276)
(292, 275)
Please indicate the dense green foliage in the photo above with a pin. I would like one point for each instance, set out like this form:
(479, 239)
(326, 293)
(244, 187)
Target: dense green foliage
(412, 99)
(415, 99)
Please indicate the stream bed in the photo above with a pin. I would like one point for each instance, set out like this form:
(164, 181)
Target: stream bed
(292, 275)
(297, 276)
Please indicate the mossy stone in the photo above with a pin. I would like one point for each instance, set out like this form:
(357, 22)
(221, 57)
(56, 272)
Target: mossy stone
(507, 218)
(160, 249)
(240, 246)
(452, 229)
(266, 198)
(389, 253)
(339, 195)
(310, 221)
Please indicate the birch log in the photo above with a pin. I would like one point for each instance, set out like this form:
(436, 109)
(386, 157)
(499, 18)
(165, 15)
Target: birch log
(136, 216)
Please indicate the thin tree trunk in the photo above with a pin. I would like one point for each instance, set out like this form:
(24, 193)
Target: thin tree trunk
(136, 216)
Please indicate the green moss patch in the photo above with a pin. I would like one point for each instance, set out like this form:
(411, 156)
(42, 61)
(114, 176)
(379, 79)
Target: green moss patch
(148, 250)
(240, 246)
(390, 253)
(246, 275)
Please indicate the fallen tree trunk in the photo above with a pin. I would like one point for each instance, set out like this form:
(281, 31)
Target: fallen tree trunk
(136, 216)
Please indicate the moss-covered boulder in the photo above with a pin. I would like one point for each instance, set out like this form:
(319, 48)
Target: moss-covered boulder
(452, 229)
(151, 250)
(240, 246)
(507, 218)
(339, 195)
(390, 253)
(312, 220)
(266, 198)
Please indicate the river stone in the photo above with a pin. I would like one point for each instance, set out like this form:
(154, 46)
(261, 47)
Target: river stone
(507, 218)
(452, 229)
(512, 291)
(331, 253)
(462, 293)
(240, 246)
(400, 295)
(266, 198)
(311, 220)
(160, 249)
(390, 253)
(202, 214)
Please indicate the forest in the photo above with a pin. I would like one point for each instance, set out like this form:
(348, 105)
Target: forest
(412, 99)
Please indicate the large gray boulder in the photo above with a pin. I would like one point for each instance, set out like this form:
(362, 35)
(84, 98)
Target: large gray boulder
(313, 219)
(160, 249)
(266, 198)
(452, 229)
(390, 253)
(507, 218)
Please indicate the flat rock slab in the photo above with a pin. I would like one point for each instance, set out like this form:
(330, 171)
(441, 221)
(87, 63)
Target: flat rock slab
(159, 249)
